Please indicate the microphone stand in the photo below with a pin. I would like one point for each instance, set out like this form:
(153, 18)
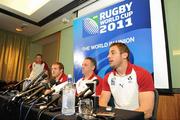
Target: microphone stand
(33, 81)
(51, 102)
(24, 93)
(39, 90)
(38, 81)
(13, 87)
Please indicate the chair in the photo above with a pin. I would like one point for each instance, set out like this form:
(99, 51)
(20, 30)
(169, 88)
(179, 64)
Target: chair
(111, 102)
(156, 101)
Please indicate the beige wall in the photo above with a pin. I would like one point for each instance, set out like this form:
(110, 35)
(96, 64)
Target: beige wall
(66, 50)
(50, 50)
(33, 50)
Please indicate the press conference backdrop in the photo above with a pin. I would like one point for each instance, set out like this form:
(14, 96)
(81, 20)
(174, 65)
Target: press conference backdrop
(139, 24)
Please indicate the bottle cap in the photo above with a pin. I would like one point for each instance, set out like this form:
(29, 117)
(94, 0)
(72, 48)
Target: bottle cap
(69, 76)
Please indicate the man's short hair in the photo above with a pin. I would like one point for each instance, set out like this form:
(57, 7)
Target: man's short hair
(61, 66)
(123, 48)
(93, 61)
(39, 55)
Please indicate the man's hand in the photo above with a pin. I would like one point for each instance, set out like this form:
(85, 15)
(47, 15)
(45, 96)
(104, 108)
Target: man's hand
(104, 98)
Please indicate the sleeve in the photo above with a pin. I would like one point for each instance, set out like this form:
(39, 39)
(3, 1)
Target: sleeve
(30, 67)
(46, 66)
(145, 81)
(105, 86)
(99, 86)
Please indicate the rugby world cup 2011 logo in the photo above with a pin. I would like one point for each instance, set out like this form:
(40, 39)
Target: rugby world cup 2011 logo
(90, 26)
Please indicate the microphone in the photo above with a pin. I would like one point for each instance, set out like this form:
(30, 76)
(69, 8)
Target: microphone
(33, 81)
(37, 91)
(52, 82)
(18, 83)
(59, 87)
(51, 102)
(87, 92)
(55, 89)
(13, 87)
(24, 93)
(44, 86)
(40, 88)
(96, 82)
(81, 94)
(39, 80)
(92, 85)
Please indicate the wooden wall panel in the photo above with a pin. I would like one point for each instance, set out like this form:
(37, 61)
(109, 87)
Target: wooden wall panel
(177, 98)
(169, 107)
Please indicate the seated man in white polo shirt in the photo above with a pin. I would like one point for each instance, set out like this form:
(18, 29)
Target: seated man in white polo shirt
(131, 86)
(88, 68)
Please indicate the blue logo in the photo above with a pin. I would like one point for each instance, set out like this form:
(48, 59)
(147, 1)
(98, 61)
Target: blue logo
(90, 26)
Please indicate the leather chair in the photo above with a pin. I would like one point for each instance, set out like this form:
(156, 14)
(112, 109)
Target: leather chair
(156, 101)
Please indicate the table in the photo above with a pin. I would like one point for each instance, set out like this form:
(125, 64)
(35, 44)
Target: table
(11, 111)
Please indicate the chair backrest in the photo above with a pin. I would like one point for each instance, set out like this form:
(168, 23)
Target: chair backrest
(156, 101)
(111, 102)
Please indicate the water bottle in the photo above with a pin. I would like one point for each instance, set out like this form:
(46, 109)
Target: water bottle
(68, 97)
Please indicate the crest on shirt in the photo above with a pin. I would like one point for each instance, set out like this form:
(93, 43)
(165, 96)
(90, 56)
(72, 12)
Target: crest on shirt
(113, 81)
(129, 79)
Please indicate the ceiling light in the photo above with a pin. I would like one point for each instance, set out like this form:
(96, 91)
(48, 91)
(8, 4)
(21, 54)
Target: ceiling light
(19, 30)
(65, 20)
(22, 27)
(27, 7)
